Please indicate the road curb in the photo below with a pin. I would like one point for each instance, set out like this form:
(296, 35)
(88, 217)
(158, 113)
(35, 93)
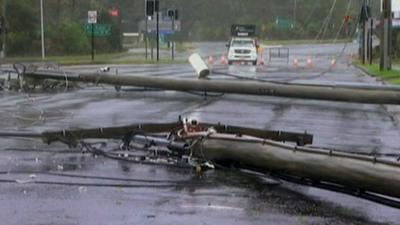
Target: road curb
(366, 73)
(392, 110)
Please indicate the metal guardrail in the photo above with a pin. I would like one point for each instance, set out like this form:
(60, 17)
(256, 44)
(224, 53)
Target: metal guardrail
(279, 53)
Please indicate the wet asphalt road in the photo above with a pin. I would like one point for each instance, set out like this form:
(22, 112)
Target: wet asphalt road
(163, 195)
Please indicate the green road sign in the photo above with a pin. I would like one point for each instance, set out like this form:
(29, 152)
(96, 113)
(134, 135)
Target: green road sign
(100, 30)
(284, 23)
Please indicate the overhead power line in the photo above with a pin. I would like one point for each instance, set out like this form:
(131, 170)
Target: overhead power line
(343, 21)
(325, 22)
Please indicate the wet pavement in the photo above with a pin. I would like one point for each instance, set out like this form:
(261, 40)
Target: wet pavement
(43, 184)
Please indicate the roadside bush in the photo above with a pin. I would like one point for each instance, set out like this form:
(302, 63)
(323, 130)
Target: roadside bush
(22, 31)
(68, 37)
(112, 43)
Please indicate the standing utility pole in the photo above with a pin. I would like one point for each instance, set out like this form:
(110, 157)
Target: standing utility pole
(366, 35)
(157, 10)
(149, 12)
(173, 15)
(294, 13)
(386, 35)
(42, 29)
(172, 41)
(92, 33)
(92, 20)
(4, 30)
(145, 35)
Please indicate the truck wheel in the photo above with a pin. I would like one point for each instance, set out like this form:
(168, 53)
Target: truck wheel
(229, 62)
(254, 63)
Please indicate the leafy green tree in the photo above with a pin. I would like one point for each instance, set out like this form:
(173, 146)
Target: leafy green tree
(67, 37)
(23, 27)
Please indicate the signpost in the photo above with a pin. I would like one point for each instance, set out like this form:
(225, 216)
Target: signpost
(165, 26)
(386, 37)
(396, 14)
(42, 29)
(92, 20)
(173, 15)
(149, 12)
(99, 30)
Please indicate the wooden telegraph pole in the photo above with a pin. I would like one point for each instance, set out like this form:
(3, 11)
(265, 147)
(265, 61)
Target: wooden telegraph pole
(157, 11)
(386, 35)
(4, 30)
(366, 35)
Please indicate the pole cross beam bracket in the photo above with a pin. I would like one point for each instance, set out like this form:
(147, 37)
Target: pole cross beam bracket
(72, 136)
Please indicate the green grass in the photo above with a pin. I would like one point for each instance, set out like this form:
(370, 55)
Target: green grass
(298, 42)
(109, 58)
(391, 76)
(185, 46)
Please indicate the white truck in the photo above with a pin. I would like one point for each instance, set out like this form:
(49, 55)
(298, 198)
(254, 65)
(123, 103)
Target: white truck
(243, 46)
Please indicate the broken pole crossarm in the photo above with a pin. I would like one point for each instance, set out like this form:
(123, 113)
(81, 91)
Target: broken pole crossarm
(281, 136)
(119, 132)
(301, 91)
(107, 132)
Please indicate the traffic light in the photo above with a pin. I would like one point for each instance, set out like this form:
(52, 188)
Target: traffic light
(114, 12)
(156, 5)
(172, 13)
(150, 7)
(1, 24)
(347, 18)
(176, 14)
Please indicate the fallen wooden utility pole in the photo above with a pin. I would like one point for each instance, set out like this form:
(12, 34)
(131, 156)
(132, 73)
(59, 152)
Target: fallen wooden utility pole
(360, 172)
(375, 178)
(344, 94)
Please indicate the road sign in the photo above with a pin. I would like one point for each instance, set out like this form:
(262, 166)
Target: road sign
(99, 30)
(284, 23)
(396, 23)
(165, 26)
(92, 17)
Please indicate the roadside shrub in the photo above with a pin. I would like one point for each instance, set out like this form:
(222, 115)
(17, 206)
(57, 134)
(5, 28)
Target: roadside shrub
(68, 37)
(22, 31)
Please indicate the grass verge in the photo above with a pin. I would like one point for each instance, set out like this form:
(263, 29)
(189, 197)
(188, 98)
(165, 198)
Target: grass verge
(108, 58)
(300, 42)
(392, 76)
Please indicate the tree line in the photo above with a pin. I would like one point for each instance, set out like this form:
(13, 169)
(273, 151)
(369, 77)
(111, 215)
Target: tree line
(202, 20)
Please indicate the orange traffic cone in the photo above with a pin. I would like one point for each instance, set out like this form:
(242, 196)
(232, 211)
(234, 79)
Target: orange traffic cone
(261, 61)
(224, 60)
(310, 63)
(295, 63)
(210, 60)
(333, 62)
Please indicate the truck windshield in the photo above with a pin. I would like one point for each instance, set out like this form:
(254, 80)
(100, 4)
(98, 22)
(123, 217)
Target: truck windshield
(243, 43)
